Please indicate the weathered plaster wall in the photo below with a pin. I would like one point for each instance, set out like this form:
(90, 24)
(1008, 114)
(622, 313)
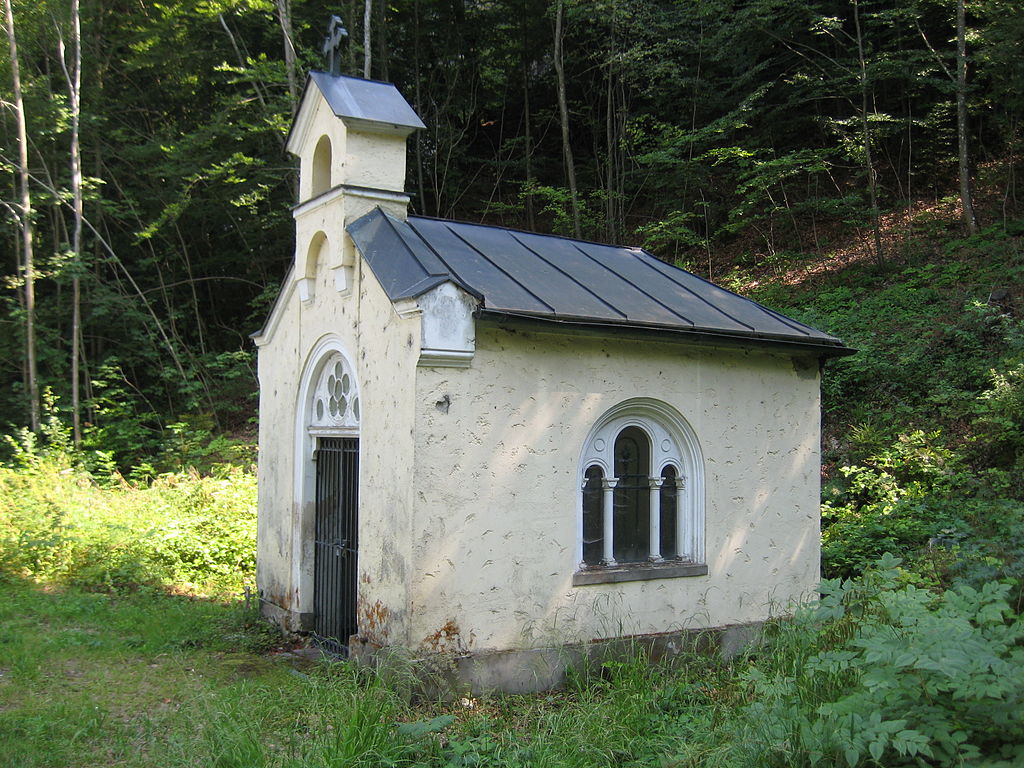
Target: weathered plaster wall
(383, 349)
(497, 446)
(339, 300)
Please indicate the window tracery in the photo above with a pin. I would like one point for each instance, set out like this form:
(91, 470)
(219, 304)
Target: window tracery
(335, 397)
(641, 491)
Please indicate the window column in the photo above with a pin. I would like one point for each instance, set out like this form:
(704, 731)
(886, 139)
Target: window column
(654, 535)
(609, 527)
(684, 526)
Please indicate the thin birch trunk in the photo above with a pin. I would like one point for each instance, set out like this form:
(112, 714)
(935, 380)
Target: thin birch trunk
(32, 374)
(74, 82)
(563, 112)
(284, 18)
(961, 119)
(367, 50)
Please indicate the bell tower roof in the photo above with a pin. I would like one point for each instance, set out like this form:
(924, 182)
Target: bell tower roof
(368, 106)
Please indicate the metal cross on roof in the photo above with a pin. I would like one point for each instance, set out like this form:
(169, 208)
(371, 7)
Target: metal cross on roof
(336, 32)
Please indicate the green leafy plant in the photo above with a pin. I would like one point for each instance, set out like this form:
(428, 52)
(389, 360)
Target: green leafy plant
(895, 674)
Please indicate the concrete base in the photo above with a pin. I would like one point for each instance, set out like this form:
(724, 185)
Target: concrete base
(447, 676)
(285, 619)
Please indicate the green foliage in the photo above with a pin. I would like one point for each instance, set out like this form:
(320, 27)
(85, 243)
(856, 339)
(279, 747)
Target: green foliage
(58, 525)
(894, 502)
(893, 674)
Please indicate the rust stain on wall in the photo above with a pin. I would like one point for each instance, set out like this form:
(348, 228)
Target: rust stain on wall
(374, 625)
(447, 639)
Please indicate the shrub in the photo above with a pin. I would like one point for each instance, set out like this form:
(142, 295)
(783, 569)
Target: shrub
(58, 525)
(884, 673)
(894, 502)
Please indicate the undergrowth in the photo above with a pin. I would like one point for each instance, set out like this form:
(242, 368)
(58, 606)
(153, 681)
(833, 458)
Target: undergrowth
(878, 672)
(61, 524)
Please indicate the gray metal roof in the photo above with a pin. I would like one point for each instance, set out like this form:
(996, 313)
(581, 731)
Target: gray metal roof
(367, 101)
(529, 276)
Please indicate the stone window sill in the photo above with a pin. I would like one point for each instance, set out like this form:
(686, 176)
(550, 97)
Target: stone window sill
(600, 574)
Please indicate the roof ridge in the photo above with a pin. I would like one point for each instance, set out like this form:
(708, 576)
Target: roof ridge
(526, 232)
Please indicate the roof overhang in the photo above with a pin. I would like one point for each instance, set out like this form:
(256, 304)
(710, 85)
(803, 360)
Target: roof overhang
(670, 334)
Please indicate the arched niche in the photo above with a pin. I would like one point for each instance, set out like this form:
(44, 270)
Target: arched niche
(328, 406)
(317, 251)
(320, 169)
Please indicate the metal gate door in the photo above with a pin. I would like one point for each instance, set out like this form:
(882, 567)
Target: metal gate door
(336, 543)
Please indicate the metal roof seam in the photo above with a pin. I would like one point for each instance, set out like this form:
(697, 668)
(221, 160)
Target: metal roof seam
(452, 274)
(391, 223)
(686, 288)
(786, 320)
(778, 315)
(505, 272)
(554, 266)
(636, 287)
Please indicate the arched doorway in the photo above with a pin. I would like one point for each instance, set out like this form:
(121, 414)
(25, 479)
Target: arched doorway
(330, 483)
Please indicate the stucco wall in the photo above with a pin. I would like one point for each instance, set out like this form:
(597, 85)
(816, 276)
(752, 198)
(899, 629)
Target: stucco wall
(383, 348)
(497, 451)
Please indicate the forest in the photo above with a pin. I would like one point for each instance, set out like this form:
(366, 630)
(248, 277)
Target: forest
(146, 211)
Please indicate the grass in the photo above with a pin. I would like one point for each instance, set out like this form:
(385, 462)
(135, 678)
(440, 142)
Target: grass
(151, 679)
(99, 679)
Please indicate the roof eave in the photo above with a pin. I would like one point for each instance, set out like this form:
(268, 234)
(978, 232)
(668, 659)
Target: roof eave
(702, 336)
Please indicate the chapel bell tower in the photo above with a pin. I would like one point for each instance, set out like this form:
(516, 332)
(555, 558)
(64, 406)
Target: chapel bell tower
(350, 137)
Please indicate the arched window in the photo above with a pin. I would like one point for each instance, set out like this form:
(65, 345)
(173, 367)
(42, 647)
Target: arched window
(641, 500)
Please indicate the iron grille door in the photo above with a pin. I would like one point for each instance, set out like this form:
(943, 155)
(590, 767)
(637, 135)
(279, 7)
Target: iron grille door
(336, 543)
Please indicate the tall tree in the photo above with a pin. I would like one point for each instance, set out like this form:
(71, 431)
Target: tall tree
(367, 48)
(25, 215)
(73, 76)
(964, 164)
(869, 164)
(563, 113)
(284, 18)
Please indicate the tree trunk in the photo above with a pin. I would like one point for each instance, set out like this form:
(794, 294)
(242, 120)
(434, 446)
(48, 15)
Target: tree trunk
(284, 18)
(563, 112)
(367, 50)
(382, 42)
(961, 119)
(421, 202)
(531, 223)
(32, 374)
(866, 136)
(74, 81)
(610, 141)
